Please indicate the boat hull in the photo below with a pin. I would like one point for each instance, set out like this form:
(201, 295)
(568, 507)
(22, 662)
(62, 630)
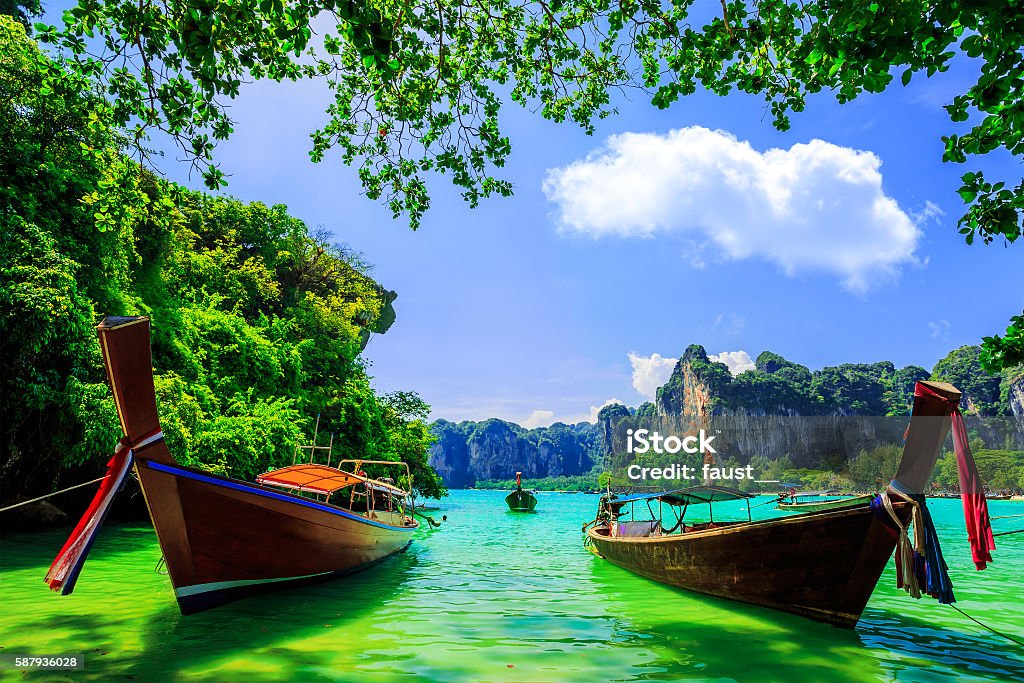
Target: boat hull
(823, 566)
(521, 501)
(223, 539)
(823, 505)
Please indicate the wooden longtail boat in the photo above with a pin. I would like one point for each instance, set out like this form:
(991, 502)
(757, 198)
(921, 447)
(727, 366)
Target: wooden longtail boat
(806, 502)
(820, 565)
(225, 539)
(521, 500)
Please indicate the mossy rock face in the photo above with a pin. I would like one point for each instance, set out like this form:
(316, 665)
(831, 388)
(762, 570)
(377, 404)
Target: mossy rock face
(495, 450)
(777, 386)
(387, 315)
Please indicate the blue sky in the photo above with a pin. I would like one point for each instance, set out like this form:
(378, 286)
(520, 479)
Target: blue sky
(528, 309)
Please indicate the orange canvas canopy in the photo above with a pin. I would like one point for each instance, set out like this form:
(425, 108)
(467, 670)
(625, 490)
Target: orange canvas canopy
(309, 477)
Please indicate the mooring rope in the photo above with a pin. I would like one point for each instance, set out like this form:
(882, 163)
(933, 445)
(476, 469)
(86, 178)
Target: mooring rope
(1008, 533)
(983, 625)
(1008, 516)
(48, 495)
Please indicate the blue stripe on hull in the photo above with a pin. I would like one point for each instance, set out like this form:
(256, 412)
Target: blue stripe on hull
(267, 493)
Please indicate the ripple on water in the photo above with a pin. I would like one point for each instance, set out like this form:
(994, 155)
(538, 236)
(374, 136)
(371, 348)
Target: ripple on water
(497, 596)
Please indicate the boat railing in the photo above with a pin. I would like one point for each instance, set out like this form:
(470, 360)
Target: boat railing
(358, 463)
(370, 487)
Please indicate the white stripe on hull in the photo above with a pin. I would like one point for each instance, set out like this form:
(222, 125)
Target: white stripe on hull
(197, 589)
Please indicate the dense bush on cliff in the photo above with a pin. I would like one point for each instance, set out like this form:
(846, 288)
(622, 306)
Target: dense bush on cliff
(493, 449)
(981, 391)
(646, 409)
(777, 386)
(258, 323)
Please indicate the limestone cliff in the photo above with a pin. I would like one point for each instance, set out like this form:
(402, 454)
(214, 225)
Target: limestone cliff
(839, 410)
(495, 449)
(778, 408)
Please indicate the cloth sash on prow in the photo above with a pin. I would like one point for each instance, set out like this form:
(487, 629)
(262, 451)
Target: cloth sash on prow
(920, 566)
(128, 361)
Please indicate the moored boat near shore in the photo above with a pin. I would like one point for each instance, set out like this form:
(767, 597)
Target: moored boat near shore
(822, 565)
(821, 501)
(521, 500)
(222, 538)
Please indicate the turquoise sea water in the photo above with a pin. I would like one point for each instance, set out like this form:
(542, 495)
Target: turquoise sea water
(501, 596)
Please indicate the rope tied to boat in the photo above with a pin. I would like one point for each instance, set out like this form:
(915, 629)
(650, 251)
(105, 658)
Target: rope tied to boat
(905, 577)
(55, 493)
(972, 490)
(920, 566)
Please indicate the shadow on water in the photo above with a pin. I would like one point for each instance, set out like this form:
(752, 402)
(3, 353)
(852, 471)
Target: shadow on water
(24, 550)
(717, 638)
(267, 624)
(128, 626)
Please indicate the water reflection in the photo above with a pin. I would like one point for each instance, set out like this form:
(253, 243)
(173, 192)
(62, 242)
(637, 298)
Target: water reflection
(496, 596)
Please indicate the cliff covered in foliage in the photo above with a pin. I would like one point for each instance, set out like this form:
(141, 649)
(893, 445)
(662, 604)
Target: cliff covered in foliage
(776, 386)
(845, 409)
(781, 408)
(467, 452)
(258, 322)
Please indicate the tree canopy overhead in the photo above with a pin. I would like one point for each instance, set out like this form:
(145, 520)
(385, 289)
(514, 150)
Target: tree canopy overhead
(418, 86)
(258, 322)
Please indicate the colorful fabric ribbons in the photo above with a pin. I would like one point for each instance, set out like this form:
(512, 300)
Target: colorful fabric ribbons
(66, 567)
(972, 491)
(929, 568)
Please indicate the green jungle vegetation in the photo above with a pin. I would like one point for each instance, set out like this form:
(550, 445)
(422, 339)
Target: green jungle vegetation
(258, 322)
(588, 482)
(417, 87)
(779, 386)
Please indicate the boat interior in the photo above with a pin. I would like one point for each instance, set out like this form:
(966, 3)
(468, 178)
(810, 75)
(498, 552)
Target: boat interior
(376, 499)
(666, 510)
(653, 528)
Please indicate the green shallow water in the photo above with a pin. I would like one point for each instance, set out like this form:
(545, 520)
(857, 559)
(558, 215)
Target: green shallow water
(501, 596)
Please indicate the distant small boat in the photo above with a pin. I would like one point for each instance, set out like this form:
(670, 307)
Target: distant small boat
(521, 500)
(812, 502)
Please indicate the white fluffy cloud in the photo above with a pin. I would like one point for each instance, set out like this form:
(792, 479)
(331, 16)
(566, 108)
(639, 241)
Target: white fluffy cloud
(539, 418)
(812, 207)
(545, 418)
(738, 361)
(650, 372)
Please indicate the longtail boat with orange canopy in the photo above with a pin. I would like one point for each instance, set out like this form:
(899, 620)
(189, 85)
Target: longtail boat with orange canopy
(822, 565)
(222, 538)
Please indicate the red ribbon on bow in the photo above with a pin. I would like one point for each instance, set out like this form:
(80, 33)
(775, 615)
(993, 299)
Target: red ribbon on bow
(972, 490)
